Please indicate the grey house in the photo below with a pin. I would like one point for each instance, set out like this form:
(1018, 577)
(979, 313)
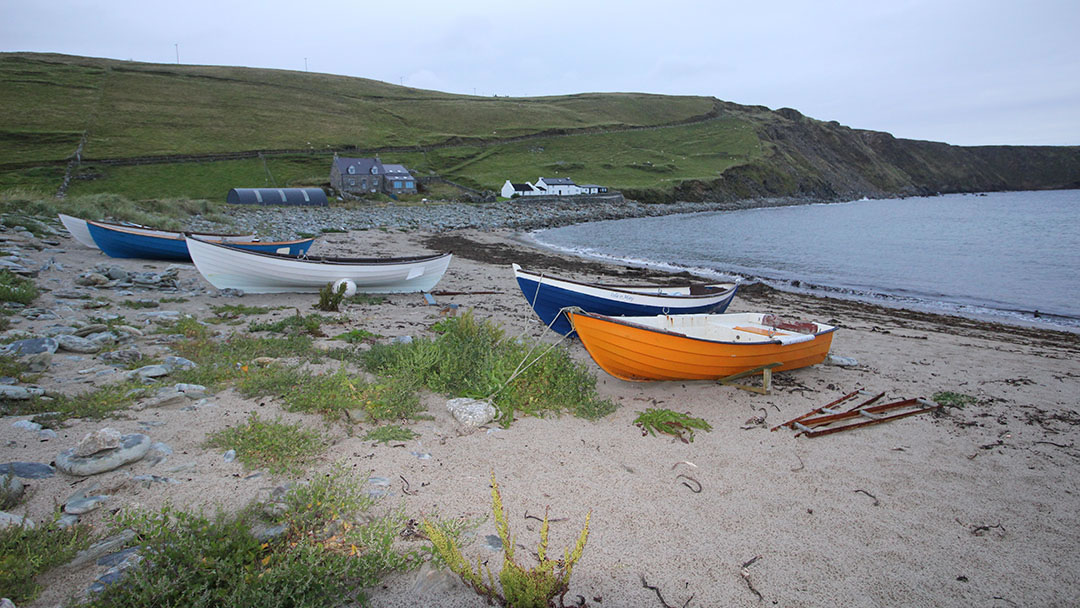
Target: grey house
(370, 176)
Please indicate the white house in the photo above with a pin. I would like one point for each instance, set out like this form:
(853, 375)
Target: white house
(510, 189)
(558, 186)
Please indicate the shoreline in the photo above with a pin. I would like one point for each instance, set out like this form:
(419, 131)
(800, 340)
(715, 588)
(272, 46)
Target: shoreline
(522, 217)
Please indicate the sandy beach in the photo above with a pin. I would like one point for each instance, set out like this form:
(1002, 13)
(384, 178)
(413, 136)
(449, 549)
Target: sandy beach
(967, 507)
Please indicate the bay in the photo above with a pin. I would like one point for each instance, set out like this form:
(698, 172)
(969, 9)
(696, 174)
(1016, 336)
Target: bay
(1010, 256)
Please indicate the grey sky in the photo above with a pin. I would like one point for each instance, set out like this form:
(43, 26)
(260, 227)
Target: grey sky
(963, 72)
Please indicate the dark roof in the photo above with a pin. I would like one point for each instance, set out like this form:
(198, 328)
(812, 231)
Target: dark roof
(558, 181)
(362, 165)
(522, 187)
(396, 170)
(313, 197)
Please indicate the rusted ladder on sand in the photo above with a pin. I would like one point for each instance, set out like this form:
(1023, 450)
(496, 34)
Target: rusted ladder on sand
(863, 414)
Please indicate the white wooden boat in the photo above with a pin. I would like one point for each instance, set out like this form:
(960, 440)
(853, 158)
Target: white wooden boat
(257, 272)
(80, 232)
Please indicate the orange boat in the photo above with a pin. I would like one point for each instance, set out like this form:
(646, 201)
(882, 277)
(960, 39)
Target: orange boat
(701, 346)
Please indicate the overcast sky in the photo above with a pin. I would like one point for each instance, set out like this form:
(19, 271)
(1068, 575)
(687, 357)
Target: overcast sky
(964, 72)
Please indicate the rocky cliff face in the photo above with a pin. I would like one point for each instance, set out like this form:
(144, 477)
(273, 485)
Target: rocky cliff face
(817, 160)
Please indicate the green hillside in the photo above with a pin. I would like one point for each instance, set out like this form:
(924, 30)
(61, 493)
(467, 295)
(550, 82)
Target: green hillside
(161, 130)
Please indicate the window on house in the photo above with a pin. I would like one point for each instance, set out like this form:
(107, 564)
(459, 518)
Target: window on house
(397, 184)
(408, 184)
(352, 182)
(352, 170)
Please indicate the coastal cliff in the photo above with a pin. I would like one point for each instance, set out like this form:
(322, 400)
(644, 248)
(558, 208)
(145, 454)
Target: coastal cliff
(818, 160)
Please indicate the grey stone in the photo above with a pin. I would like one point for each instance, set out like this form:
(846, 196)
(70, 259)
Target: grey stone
(67, 520)
(20, 393)
(76, 344)
(27, 425)
(11, 490)
(193, 391)
(28, 470)
(121, 356)
(31, 346)
(431, 580)
(10, 519)
(102, 547)
(148, 371)
(38, 362)
(471, 412)
(173, 363)
(230, 456)
(92, 328)
(115, 559)
(839, 361)
(148, 480)
(402, 340)
(117, 273)
(91, 279)
(265, 533)
(84, 505)
(107, 438)
(165, 398)
(134, 447)
(47, 434)
(70, 294)
(117, 573)
(103, 338)
(58, 330)
(493, 542)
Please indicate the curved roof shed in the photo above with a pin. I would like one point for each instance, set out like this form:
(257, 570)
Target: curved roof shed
(310, 197)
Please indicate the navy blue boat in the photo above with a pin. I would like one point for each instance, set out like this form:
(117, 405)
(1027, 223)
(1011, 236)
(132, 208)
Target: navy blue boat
(548, 296)
(122, 242)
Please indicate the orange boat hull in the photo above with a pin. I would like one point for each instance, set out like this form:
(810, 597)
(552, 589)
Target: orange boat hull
(640, 354)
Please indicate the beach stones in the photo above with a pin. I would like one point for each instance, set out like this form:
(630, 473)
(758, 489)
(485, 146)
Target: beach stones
(128, 448)
(471, 412)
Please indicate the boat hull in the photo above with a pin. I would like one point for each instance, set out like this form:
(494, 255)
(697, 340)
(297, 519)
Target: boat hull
(635, 352)
(122, 242)
(231, 268)
(78, 229)
(548, 296)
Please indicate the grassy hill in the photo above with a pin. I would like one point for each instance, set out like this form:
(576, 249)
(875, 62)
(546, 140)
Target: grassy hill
(157, 130)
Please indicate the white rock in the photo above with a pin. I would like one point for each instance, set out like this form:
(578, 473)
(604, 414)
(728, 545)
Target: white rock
(471, 412)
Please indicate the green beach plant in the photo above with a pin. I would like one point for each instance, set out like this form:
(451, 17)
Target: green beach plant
(472, 358)
(275, 446)
(330, 551)
(669, 422)
(518, 586)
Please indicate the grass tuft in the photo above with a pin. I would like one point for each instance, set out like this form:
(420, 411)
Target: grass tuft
(27, 552)
(14, 288)
(275, 446)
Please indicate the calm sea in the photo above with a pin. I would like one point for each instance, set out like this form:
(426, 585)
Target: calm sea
(1011, 257)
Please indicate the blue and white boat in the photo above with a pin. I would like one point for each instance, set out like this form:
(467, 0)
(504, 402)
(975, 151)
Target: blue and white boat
(77, 228)
(549, 295)
(123, 242)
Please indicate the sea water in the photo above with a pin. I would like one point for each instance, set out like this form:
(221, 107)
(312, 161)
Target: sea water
(1011, 257)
